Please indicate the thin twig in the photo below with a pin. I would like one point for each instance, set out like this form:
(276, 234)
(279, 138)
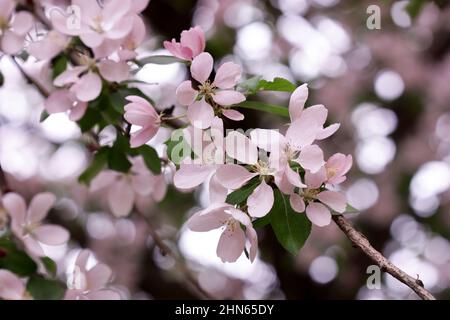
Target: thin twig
(166, 250)
(43, 91)
(359, 240)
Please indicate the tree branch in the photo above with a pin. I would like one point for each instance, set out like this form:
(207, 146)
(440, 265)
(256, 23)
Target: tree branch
(166, 250)
(360, 241)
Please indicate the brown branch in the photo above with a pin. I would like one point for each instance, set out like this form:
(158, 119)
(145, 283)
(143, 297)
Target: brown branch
(166, 250)
(360, 241)
(43, 91)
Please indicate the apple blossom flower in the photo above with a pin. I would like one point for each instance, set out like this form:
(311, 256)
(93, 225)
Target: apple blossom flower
(85, 83)
(64, 100)
(208, 147)
(316, 200)
(123, 189)
(210, 98)
(13, 27)
(192, 43)
(140, 112)
(52, 44)
(95, 23)
(12, 287)
(232, 241)
(28, 225)
(337, 167)
(90, 284)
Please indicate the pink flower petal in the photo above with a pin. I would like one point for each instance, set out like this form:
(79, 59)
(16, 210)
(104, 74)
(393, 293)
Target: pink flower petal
(185, 93)
(335, 200)
(103, 295)
(302, 132)
(15, 207)
(7, 8)
(121, 198)
(233, 114)
(39, 206)
(297, 102)
(33, 246)
(318, 214)
(311, 158)
(58, 101)
(315, 180)
(233, 176)
(98, 277)
(22, 23)
(231, 244)
(194, 39)
(88, 88)
(328, 131)
(228, 97)
(241, 148)
(227, 75)
(217, 192)
(260, 202)
(253, 239)
(200, 114)
(208, 219)
(201, 67)
(11, 43)
(51, 234)
(11, 287)
(297, 203)
(293, 177)
(114, 71)
(69, 76)
(192, 175)
(178, 50)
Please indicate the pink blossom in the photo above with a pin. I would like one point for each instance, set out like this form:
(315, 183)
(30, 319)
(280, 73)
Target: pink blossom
(316, 201)
(192, 43)
(11, 286)
(64, 100)
(200, 102)
(85, 83)
(13, 27)
(28, 225)
(141, 113)
(232, 241)
(90, 284)
(337, 167)
(97, 24)
(48, 47)
(123, 189)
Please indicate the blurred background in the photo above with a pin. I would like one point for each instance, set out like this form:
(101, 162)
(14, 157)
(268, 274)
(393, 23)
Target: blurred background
(390, 90)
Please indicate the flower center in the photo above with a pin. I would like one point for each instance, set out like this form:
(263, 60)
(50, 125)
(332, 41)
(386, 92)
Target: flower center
(331, 172)
(310, 194)
(3, 24)
(206, 88)
(263, 168)
(97, 24)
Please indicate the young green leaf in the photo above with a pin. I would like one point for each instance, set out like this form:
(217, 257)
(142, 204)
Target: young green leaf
(59, 64)
(351, 209)
(262, 222)
(49, 265)
(250, 85)
(260, 106)
(240, 196)
(15, 260)
(44, 289)
(160, 59)
(278, 84)
(414, 7)
(292, 229)
(151, 158)
(98, 163)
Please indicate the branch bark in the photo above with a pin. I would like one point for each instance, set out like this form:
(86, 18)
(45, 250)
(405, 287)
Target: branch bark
(360, 241)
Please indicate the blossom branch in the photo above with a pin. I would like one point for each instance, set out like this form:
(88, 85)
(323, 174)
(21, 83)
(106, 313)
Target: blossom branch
(166, 250)
(360, 241)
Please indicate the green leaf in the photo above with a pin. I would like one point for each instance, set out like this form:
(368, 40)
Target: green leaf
(45, 289)
(160, 59)
(414, 7)
(49, 265)
(90, 119)
(44, 116)
(260, 106)
(15, 260)
(151, 158)
(250, 85)
(351, 209)
(292, 229)
(59, 65)
(278, 84)
(118, 154)
(98, 163)
(262, 222)
(240, 196)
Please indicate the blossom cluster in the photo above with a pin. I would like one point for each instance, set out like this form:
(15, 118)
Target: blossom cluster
(98, 40)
